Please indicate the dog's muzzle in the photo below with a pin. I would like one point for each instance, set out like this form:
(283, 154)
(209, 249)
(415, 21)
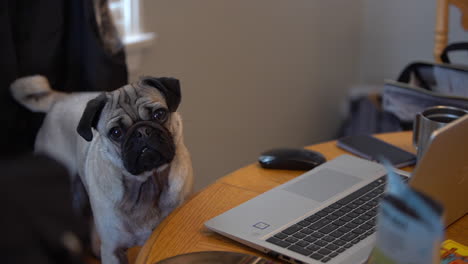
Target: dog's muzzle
(147, 145)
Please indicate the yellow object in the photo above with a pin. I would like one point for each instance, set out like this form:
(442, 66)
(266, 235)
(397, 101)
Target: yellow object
(453, 252)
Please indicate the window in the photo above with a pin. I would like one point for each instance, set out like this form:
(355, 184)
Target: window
(128, 20)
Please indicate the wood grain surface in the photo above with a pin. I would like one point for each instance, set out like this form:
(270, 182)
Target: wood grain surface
(184, 232)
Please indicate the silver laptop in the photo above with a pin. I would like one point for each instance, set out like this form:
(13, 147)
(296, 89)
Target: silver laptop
(327, 215)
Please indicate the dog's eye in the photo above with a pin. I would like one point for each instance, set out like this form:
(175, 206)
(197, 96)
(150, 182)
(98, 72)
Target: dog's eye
(116, 133)
(160, 115)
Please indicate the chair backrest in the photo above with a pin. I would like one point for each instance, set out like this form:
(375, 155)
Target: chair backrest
(442, 20)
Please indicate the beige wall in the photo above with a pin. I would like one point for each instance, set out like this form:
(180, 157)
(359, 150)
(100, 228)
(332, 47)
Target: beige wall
(255, 74)
(267, 73)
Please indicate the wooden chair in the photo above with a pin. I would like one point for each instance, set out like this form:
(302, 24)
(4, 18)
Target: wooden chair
(442, 23)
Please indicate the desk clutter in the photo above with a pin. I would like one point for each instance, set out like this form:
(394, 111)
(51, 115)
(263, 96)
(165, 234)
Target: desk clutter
(421, 84)
(409, 227)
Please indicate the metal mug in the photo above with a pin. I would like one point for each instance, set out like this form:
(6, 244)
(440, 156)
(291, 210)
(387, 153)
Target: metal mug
(430, 120)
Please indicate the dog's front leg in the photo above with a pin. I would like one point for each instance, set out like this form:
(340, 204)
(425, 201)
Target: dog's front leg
(111, 254)
(114, 242)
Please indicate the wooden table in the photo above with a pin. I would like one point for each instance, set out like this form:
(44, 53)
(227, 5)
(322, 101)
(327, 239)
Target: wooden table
(183, 231)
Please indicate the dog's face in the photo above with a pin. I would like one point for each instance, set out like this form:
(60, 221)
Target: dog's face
(135, 122)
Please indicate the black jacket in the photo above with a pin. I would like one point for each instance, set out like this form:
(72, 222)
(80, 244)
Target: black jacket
(59, 39)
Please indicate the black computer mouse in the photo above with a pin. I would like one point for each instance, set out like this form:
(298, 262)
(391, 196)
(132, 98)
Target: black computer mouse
(291, 159)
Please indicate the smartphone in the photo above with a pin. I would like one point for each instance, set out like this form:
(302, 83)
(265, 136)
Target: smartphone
(372, 148)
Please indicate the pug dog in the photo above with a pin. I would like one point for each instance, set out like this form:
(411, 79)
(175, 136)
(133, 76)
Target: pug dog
(124, 151)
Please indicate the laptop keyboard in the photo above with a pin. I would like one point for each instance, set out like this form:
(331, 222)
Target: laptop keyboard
(329, 232)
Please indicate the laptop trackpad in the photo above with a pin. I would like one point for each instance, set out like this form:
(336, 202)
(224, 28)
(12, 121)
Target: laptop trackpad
(323, 184)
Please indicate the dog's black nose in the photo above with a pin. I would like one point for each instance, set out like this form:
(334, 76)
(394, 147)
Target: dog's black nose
(143, 132)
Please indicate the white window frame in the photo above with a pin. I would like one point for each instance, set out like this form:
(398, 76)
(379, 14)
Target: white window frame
(128, 19)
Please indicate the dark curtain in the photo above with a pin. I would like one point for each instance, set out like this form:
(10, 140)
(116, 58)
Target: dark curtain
(60, 40)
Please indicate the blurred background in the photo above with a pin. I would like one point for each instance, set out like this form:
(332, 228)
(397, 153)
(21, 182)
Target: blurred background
(271, 73)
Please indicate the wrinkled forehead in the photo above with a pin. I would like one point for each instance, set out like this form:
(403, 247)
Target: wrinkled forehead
(132, 92)
(134, 100)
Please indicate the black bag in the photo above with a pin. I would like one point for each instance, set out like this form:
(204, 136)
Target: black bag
(454, 47)
(422, 85)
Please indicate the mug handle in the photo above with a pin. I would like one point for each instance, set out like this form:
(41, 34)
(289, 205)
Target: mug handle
(416, 130)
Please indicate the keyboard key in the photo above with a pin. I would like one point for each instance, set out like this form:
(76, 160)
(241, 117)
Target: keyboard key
(291, 230)
(352, 215)
(318, 235)
(346, 218)
(335, 206)
(321, 213)
(321, 243)
(310, 239)
(328, 238)
(358, 202)
(348, 237)
(345, 209)
(355, 195)
(299, 235)
(344, 229)
(324, 251)
(291, 240)
(312, 218)
(313, 247)
(365, 198)
(340, 250)
(278, 242)
(300, 250)
(317, 256)
(339, 222)
(306, 231)
(359, 231)
(331, 247)
(329, 228)
(366, 207)
(304, 223)
(357, 221)
(332, 217)
(350, 225)
(372, 212)
(319, 224)
(336, 234)
(281, 236)
(303, 243)
(338, 213)
(332, 255)
(348, 245)
(339, 242)
(325, 260)
(365, 217)
(359, 211)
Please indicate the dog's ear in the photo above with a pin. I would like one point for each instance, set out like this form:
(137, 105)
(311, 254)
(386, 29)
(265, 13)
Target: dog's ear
(90, 116)
(169, 87)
